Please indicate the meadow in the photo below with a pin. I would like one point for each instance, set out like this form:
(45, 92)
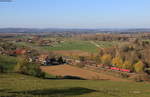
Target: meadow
(70, 45)
(17, 85)
(107, 44)
(8, 62)
(74, 45)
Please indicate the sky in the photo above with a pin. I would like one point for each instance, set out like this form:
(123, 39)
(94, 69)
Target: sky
(75, 13)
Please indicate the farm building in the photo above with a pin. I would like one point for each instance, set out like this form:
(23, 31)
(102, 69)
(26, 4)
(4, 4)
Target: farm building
(44, 59)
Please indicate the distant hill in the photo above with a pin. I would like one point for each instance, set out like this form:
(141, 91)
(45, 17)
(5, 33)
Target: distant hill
(75, 31)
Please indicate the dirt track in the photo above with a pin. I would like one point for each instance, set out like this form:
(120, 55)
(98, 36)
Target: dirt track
(65, 70)
(95, 44)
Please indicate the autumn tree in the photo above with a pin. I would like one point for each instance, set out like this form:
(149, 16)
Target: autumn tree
(127, 65)
(21, 64)
(106, 59)
(117, 61)
(139, 66)
(25, 67)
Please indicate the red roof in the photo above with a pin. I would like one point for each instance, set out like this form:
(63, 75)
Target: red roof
(20, 51)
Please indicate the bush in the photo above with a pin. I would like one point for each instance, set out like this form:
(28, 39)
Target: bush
(117, 61)
(2, 70)
(82, 58)
(127, 65)
(24, 67)
(61, 60)
(139, 67)
(125, 47)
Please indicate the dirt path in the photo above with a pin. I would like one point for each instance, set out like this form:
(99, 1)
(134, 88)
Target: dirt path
(67, 70)
(95, 44)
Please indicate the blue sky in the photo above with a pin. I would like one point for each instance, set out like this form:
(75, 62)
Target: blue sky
(75, 13)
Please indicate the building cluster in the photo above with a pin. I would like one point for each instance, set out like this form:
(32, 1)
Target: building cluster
(41, 42)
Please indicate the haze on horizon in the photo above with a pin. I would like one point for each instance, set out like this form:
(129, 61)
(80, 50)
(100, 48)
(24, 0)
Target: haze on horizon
(75, 14)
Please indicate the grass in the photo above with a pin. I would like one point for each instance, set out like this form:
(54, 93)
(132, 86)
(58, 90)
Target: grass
(67, 45)
(8, 62)
(107, 44)
(86, 46)
(48, 76)
(16, 85)
(25, 44)
(74, 45)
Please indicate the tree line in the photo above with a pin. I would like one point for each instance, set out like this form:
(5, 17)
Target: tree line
(133, 56)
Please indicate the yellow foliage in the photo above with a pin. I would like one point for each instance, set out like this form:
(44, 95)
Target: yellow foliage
(127, 65)
(20, 64)
(117, 61)
(106, 59)
(139, 66)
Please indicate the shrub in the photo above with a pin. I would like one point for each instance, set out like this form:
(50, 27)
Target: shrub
(24, 67)
(82, 58)
(61, 60)
(117, 61)
(20, 66)
(125, 48)
(127, 65)
(2, 70)
(139, 66)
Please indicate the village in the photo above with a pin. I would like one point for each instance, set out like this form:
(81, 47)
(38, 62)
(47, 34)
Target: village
(37, 40)
(49, 59)
(101, 57)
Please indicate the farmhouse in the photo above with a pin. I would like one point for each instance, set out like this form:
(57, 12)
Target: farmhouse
(20, 51)
(42, 58)
(16, 52)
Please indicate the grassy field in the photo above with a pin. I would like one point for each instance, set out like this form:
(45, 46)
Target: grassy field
(107, 44)
(8, 62)
(67, 45)
(16, 85)
(74, 45)
(86, 46)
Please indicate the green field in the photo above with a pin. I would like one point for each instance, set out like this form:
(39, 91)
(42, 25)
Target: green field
(74, 45)
(67, 45)
(86, 46)
(107, 44)
(8, 62)
(16, 85)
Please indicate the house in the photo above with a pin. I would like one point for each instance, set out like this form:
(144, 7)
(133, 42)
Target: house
(16, 52)
(42, 58)
(20, 51)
